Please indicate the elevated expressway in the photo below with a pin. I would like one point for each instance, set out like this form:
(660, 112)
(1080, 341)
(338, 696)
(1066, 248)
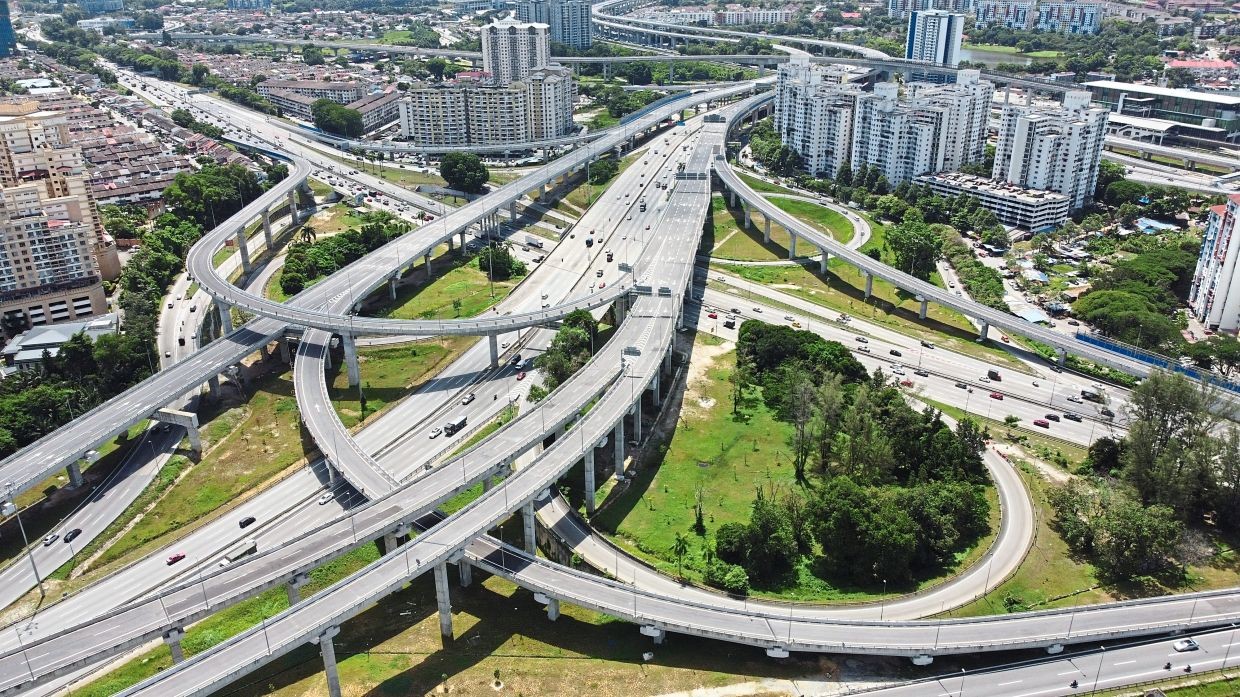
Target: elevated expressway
(642, 339)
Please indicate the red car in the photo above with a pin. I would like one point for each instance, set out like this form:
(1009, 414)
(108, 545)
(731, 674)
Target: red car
(602, 284)
(176, 558)
(1041, 423)
(906, 383)
(713, 315)
(996, 395)
(521, 375)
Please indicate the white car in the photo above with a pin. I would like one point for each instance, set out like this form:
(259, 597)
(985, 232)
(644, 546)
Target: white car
(983, 379)
(435, 432)
(468, 398)
(1185, 645)
(326, 497)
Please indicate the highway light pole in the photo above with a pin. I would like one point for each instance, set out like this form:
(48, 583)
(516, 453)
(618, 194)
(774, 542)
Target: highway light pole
(10, 508)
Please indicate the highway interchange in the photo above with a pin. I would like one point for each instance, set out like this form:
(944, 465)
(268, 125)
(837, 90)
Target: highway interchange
(660, 316)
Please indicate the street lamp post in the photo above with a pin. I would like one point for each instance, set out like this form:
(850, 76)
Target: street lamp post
(10, 508)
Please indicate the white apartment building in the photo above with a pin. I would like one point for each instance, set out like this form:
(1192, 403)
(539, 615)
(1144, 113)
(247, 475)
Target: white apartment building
(965, 107)
(569, 20)
(1052, 148)
(550, 93)
(483, 112)
(512, 49)
(900, 140)
(1215, 295)
(1028, 209)
(813, 114)
(338, 92)
(934, 37)
(734, 16)
(434, 115)
(901, 8)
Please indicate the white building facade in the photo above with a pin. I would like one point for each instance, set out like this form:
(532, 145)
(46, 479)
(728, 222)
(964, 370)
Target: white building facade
(1215, 295)
(511, 50)
(934, 37)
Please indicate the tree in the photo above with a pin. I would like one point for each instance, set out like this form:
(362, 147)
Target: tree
(334, 118)
(312, 55)
(680, 547)
(464, 171)
(436, 67)
(601, 171)
(915, 246)
(198, 73)
(1124, 191)
(1169, 452)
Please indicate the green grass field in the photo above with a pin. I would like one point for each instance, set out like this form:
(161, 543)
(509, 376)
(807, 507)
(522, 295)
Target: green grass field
(457, 280)
(821, 217)
(389, 374)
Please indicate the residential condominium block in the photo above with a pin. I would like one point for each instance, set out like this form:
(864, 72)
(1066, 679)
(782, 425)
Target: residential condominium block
(1030, 15)
(1214, 298)
(511, 50)
(569, 20)
(476, 110)
(934, 37)
(900, 9)
(1028, 209)
(813, 114)
(1052, 148)
(338, 92)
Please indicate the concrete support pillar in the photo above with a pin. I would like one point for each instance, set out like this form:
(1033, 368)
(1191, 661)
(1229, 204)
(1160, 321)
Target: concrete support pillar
(792, 246)
(74, 472)
(655, 397)
(461, 251)
(444, 601)
(983, 330)
(493, 344)
(823, 259)
(292, 206)
(286, 354)
(925, 307)
(390, 542)
(173, 639)
(350, 359)
(486, 485)
(637, 422)
(225, 313)
(267, 229)
(392, 288)
(589, 481)
(512, 212)
(621, 309)
(553, 609)
(328, 650)
(430, 272)
(293, 588)
(466, 572)
(667, 362)
(245, 251)
(746, 220)
(527, 528)
(766, 232)
(213, 383)
(869, 285)
(619, 438)
(1061, 357)
(733, 193)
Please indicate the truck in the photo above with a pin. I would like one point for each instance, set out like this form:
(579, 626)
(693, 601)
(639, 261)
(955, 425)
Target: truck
(994, 375)
(533, 241)
(730, 322)
(248, 547)
(456, 424)
(1093, 393)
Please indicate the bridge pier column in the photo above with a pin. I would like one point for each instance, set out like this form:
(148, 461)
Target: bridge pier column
(733, 193)
(213, 383)
(512, 212)
(869, 285)
(822, 261)
(654, 633)
(792, 246)
(292, 206)
(486, 485)
(244, 248)
(444, 600)
(225, 312)
(173, 639)
(267, 228)
(493, 344)
(621, 309)
(465, 571)
(637, 421)
(286, 353)
(392, 288)
(553, 609)
(766, 232)
(925, 307)
(350, 359)
(618, 436)
(430, 273)
(293, 588)
(74, 472)
(746, 221)
(189, 420)
(461, 251)
(589, 481)
(328, 650)
(527, 528)
(1061, 357)
(667, 362)
(985, 329)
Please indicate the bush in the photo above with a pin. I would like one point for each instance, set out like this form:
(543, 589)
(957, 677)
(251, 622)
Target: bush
(729, 577)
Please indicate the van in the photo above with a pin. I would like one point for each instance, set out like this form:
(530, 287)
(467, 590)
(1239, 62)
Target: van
(589, 241)
(994, 375)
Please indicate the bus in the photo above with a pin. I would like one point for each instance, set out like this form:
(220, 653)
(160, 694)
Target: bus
(248, 547)
(454, 425)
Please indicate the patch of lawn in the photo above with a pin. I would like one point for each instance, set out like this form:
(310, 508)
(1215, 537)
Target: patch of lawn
(585, 194)
(222, 255)
(762, 186)
(458, 289)
(821, 217)
(745, 244)
(318, 188)
(389, 374)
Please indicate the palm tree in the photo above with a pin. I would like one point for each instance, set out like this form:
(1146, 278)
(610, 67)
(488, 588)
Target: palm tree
(309, 234)
(680, 547)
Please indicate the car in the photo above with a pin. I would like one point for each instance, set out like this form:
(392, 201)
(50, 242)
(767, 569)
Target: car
(1185, 645)
(906, 383)
(246, 522)
(1004, 339)
(521, 375)
(1075, 400)
(193, 308)
(951, 284)
(897, 369)
(861, 339)
(174, 558)
(1041, 423)
(326, 497)
(435, 432)
(504, 345)
(468, 398)
(72, 535)
(47, 541)
(996, 395)
(599, 273)
(757, 310)
(863, 349)
(983, 379)
(1052, 417)
(1072, 417)
(796, 325)
(647, 227)
(169, 306)
(927, 344)
(895, 352)
(713, 315)
(516, 360)
(544, 296)
(546, 305)
(787, 318)
(167, 354)
(922, 373)
(602, 284)
(1073, 323)
(1107, 413)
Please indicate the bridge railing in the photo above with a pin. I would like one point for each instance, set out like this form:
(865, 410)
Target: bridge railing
(1158, 360)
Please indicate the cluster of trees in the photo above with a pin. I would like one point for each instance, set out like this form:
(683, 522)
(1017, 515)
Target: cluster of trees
(1130, 50)
(984, 284)
(1132, 199)
(123, 222)
(336, 118)
(184, 119)
(769, 150)
(211, 194)
(1176, 470)
(603, 169)
(617, 101)
(569, 350)
(308, 261)
(1133, 301)
(886, 492)
(498, 263)
(464, 171)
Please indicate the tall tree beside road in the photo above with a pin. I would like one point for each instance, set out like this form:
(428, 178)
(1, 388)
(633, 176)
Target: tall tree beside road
(915, 245)
(334, 118)
(464, 171)
(312, 55)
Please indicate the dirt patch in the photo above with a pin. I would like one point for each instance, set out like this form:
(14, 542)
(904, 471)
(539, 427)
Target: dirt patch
(702, 359)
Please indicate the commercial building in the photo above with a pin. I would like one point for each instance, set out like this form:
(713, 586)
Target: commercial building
(934, 37)
(511, 50)
(477, 110)
(735, 16)
(1031, 15)
(1016, 206)
(1186, 106)
(900, 9)
(100, 24)
(338, 92)
(8, 40)
(1052, 148)
(569, 20)
(25, 351)
(1214, 298)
